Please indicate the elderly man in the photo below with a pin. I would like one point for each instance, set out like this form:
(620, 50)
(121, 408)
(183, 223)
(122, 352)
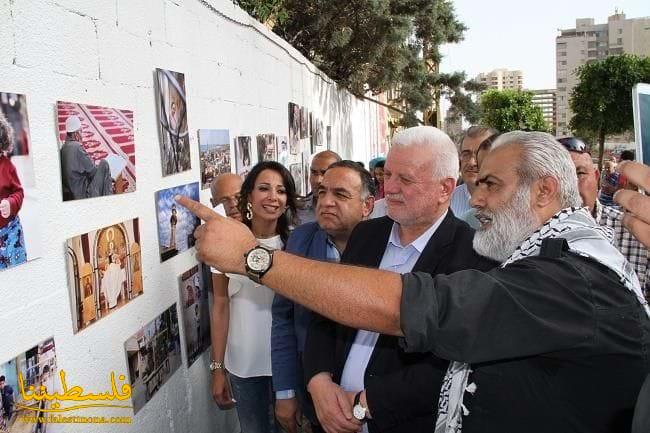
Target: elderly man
(557, 337)
(345, 197)
(225, 190)
(319, 164)
(80, 177)
(419, 234)
(473, 137)
(607, 216)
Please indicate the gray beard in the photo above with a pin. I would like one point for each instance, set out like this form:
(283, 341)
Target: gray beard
(511, 225)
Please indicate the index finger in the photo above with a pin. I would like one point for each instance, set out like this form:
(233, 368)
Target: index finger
(201, 211)
(638, 174)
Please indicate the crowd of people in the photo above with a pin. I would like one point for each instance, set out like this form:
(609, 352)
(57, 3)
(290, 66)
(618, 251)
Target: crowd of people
(510, 299)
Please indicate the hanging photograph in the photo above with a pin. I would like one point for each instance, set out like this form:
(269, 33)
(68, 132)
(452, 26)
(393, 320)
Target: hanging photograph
(296, 172)
(329, 137)
(20, 201)
(243, 163)
(33, 371)
(153, 355)
(97, 150)
(172, 121)
(176, 224)
(294, 128)
(283, 151)
(266, 148)
(104, 271)
(319, 133)
(304, 122)
(305, 171)
(195, 313)
(214, 150)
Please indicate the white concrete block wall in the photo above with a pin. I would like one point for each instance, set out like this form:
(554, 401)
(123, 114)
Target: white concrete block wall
(104, 52)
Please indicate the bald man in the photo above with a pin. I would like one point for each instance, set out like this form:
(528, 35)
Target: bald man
(319, 164)
(225, 190)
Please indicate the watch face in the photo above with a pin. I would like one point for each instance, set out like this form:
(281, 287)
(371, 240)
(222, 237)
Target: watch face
(359, 412)
(258, 260)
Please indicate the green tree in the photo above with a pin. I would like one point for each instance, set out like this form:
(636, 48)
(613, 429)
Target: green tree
(510, 110)
(602, 101)
(373, 45)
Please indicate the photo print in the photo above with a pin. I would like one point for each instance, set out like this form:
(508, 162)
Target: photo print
(305, 171)
(214, 150)
(304, 122)
(266, 148)
(296, 172)
(329, 137)
(283, 150)
(35, 368)
(294, 128)
(20, 201)
(172, 122)
(243, 163)
(195, 313)
(176, 224)
(104, 271)
(97, 150)
(153, 354)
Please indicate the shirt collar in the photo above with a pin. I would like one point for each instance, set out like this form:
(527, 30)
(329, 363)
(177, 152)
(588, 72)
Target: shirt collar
(421, 242)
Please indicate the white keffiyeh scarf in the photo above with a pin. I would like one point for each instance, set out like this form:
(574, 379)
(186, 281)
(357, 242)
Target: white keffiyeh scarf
(585, 238)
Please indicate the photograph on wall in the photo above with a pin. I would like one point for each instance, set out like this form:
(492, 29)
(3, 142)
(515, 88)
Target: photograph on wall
(329, 137)
(296, 172)
(305, 171)
(176, 224)
(97, 150)
(243, 153)
(304, 122)
(153, 354)
(316, 128)
(195, 313)
(172, 122)
(35, 368)
(266, 147)
(20, 201)
(294, 128)
(104, 271)
(214, 150)
(283, 150)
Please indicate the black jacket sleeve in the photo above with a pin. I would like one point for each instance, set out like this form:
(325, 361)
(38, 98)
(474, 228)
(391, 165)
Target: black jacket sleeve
(535, 305)
(320, 346)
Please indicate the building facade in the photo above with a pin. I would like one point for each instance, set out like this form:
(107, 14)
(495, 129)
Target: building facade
(589, 42)
(546, 100)
(502, 79)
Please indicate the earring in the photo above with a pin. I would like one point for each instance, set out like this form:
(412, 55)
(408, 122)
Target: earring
(249, 211)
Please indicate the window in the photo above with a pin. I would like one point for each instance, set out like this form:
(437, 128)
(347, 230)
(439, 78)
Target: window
(562, 54)
(620, 31)
(561, 45)
(563, 62)
(561, 80)
(619, 41)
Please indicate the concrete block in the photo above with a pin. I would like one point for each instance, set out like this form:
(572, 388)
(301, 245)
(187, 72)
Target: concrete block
(181, 27)
(142, 17)
(7, 51)
(102, 10)
(124, 57)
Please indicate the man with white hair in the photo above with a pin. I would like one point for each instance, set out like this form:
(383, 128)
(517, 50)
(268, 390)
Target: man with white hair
(418, 234)
(80, 176)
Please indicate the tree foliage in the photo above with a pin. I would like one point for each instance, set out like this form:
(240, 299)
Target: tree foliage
(373, 45)
(510, 110)
(602, 101)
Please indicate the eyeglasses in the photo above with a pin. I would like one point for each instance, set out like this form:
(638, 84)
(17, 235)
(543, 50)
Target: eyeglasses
(573, 144)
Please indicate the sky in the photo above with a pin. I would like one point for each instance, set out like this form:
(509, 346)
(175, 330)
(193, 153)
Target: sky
(520, 35)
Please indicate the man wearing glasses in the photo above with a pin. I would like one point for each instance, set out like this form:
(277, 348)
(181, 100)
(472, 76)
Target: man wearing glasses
(468, 167)
(608, 216)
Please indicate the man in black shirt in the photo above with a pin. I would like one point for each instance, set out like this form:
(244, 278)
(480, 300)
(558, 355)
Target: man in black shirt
(555, 340)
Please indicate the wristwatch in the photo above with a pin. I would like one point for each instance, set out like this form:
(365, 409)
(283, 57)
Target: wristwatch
(258, 262)
(216, 365)
(360, 413)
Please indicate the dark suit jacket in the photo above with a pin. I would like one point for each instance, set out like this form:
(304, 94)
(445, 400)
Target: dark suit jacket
(401, 388)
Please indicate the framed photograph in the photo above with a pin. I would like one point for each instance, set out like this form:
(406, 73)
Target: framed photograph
(35, 369)
(214, 150)
(283, 151)
(172, 122)
(329, 137)
(296, 172)
(104, 271)
(20, 200)
(295, 133)
(195, 313)
(305, 171)
(266, 148)
(304, 122)
(97, 150)
(243, 155)
(176, 224)
(153, 355)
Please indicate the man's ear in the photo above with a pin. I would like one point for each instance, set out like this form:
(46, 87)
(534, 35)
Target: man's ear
(545, 191)
(368, 206)
(447, 188)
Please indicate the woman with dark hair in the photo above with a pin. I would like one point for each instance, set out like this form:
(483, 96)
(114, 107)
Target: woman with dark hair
(378, 174)
(268, 200)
